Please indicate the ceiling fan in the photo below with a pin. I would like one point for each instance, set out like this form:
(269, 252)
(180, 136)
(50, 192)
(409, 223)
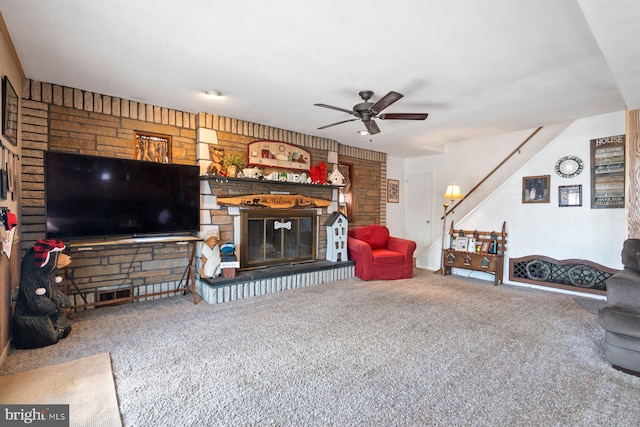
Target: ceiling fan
(367, 111)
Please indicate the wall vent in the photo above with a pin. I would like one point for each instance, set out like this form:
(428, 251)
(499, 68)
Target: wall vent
(117, 296)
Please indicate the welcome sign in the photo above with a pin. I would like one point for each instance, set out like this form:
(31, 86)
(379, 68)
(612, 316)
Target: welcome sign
(275, 201)
(607, 172)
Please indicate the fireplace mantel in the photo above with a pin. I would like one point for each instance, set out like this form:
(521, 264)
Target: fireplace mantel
(224, 220)
(225, 180)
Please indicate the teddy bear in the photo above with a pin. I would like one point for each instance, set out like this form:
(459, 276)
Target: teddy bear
(216, 155)
(39, 317)
(210, 258)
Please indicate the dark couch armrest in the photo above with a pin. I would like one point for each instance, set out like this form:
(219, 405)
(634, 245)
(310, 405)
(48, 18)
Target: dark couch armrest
(404, 246)
(359, 250)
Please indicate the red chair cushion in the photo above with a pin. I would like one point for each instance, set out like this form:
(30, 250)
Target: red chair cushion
(384, 256)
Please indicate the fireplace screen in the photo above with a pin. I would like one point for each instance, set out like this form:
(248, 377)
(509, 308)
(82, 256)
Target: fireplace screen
(274, 236)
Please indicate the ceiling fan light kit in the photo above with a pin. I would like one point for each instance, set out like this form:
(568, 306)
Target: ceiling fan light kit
(367, 111)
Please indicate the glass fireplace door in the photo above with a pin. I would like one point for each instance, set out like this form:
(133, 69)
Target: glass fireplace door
(278, 239)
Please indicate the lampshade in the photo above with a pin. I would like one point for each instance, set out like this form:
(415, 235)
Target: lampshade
(453, 192)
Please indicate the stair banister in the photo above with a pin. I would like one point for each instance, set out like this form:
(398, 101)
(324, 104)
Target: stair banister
(451, 209)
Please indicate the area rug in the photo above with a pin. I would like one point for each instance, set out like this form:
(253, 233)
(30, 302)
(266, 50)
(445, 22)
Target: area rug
(85, 384)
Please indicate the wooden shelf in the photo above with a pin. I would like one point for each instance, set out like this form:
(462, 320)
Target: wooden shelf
(265, 182)
(478, 261)
(88, 244)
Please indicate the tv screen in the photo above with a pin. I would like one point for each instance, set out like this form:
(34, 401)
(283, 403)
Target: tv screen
(90, 196)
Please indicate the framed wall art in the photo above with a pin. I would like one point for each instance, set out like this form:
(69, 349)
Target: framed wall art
(9, 112)
(461, 243)
(569, 195)
(152, 147)
(393, 191)
(535, 189)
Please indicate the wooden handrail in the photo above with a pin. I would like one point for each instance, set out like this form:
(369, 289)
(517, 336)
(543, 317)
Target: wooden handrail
(451, 208)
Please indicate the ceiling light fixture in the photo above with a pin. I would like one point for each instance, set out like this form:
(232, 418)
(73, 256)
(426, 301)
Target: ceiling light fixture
(212, 93)
(363, 132)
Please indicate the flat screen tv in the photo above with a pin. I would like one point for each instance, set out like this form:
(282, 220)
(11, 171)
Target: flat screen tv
(90, 196)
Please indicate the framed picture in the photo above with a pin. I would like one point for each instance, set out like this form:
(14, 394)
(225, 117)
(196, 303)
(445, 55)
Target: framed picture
(393, 191)
(485, 247)
(535, 189)
(152, 147)
(569, 195)
(9, 112)
(461, 243)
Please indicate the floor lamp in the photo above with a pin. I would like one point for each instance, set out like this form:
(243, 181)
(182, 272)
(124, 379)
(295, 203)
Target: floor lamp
(453, 193)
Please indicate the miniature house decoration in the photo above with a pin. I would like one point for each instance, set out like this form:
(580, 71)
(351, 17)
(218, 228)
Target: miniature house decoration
(336, 178)
(337, 226)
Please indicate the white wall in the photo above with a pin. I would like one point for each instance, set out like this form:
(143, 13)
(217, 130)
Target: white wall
(533, 229)
(466, 163)
(396, 211)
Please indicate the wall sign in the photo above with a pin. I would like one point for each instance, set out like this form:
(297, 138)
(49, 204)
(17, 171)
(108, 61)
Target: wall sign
(607, 172)
(278, 201)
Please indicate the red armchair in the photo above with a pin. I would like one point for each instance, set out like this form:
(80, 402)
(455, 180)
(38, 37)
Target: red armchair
(377, 255)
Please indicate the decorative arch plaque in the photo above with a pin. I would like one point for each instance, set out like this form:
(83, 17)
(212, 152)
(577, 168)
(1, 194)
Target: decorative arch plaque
(276, 154)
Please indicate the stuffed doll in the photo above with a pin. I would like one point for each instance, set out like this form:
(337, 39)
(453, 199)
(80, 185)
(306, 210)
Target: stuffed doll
(210, 258)
(216, 155)
(39, 319)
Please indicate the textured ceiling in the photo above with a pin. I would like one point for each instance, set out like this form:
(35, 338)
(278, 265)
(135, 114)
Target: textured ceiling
(478, 67)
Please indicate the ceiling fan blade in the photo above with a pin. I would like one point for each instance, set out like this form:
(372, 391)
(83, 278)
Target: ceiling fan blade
(344, 110)
(402, 116)
(338, 123)
(372, 127)
(385, 101)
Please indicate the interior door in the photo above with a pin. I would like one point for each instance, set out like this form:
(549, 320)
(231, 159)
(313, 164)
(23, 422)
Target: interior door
(419, 218)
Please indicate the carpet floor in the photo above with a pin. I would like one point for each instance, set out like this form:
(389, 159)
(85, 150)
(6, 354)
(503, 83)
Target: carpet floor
(431, 350)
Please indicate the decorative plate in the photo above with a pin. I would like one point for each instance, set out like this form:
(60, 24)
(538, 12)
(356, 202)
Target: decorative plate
(569, 166)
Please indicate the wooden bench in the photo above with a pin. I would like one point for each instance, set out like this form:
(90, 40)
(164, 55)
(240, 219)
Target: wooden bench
(476, 250)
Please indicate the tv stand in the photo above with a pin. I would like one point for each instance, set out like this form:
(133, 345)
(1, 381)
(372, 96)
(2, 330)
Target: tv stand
(165, 238)
(185, 285)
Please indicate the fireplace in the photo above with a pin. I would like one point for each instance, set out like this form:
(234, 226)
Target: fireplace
(277, 236)
(291, 240)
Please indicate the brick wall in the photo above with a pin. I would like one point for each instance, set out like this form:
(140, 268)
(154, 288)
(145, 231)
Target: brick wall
(367, 184)
(67, 119)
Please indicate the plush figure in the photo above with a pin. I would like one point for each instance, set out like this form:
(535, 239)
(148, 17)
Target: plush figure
(216, 155)
(39, 319)
(210, 258)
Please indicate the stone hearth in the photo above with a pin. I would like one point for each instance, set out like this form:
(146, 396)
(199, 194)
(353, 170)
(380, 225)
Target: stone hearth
(251, 283)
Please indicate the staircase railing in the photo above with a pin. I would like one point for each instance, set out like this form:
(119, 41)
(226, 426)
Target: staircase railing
(516, 150)
(450, 209)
